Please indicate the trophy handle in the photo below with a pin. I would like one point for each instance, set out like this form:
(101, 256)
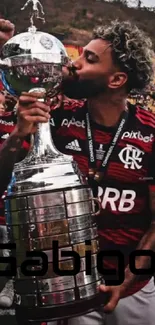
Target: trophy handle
(94, 214)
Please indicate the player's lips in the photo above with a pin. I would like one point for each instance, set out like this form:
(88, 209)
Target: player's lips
(70, 72)
(73, 69)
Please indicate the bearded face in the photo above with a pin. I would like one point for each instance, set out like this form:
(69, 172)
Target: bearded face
(77, 88)
(93, 73)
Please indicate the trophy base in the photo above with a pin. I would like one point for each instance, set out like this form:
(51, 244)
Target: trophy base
(38, 315)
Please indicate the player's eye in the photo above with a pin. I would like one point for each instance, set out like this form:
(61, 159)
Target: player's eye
(90, 57)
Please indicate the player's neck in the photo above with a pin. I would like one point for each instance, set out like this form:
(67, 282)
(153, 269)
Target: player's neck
(105, 110)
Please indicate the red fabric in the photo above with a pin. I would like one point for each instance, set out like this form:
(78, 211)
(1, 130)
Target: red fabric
(125, 215)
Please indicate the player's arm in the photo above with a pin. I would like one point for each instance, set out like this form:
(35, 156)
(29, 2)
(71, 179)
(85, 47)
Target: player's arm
(146, 243)
(141, 262)
(148, 240)
(30, 111)
(6, 31)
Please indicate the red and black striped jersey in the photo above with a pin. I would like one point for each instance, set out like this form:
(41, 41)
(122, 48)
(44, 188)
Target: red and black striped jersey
(125, 215)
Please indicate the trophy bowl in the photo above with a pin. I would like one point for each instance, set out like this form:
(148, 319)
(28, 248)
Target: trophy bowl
(33, 60)
(48, 198)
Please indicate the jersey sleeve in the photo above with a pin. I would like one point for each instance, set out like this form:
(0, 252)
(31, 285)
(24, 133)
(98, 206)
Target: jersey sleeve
(61, 115)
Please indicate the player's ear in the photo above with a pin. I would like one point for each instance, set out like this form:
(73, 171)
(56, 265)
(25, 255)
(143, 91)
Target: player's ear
(117, 80)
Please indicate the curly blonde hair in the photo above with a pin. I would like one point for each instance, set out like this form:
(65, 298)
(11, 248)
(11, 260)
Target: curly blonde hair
(132, 51)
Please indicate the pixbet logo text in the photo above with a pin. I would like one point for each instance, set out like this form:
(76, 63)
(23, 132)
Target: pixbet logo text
(68, 123)
(138, 135)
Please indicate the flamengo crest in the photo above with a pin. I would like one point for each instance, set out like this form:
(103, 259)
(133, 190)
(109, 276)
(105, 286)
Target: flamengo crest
(131, 157)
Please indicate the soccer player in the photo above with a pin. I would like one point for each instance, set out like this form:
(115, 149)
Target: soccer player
(113, 143)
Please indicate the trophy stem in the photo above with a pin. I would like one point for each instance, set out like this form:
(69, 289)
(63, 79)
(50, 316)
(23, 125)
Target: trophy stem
(42, 148)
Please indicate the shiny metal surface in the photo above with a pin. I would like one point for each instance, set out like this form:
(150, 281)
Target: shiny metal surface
(80, 236)
(48, 198)
(47, 214)
(83, 279)
(93, 262)
(56, 284)
(40, 229)
(89, 290)
(31, 64)
(57, 298)
(78, 209)
(50, 229)
(49, 254)
(42, 215)
(42, 177)
(79, 223)
(29, 244)
(63, 265)
(62, 297)
(21, 252)
(77, 195)
(82, 248)
(47, 242)
(45, 200)
(69, 295)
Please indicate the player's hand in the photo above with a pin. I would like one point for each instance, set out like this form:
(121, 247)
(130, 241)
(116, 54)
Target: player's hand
(115, 293)
(57, 101)
(10, 102)
(30, 112)
(6, 31)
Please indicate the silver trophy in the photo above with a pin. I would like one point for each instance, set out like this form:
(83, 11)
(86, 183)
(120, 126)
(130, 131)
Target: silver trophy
(48, 199)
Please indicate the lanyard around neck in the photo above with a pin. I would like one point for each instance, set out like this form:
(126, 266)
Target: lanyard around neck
(94, 174)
